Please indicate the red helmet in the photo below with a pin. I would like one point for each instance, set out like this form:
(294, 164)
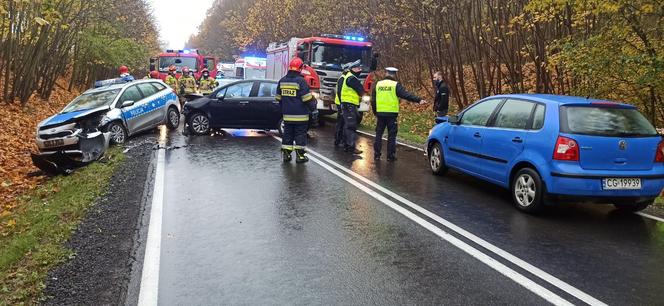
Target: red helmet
(205, 70)
(295, 64)
(172, 68)
(123, 69)
(185, 69)
(154, 74)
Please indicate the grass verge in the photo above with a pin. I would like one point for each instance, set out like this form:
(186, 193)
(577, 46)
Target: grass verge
(32, 238)
(659, 202)
(414, 124)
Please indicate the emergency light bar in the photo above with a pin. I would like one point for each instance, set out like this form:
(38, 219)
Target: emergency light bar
(185, 51)
(345, 37)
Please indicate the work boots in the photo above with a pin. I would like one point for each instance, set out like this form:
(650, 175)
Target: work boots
(300, 156)
(286, 154)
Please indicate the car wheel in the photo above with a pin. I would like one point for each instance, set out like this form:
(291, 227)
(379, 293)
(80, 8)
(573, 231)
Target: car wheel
(634, 207)
(437, 159)
(173, 118)
(118, 133)
(281, 128)
(199, 123)
(528, 190)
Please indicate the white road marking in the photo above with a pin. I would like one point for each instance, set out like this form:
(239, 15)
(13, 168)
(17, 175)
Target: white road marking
(149, 292)
(398, 142)
(586, 298)
(642, 214)
(494, 264)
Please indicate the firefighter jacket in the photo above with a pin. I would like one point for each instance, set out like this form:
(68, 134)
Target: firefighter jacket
(207, 85)
(295, 98)
(188, 84)
(172, 81)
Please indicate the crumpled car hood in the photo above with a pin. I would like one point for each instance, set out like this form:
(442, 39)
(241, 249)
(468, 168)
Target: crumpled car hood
(59, 119)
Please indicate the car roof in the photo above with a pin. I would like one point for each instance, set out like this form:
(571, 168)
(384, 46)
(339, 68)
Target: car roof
(557, 99)
(121, 85)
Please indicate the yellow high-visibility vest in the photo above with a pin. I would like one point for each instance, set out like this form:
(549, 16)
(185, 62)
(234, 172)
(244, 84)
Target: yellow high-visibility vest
(387, 100)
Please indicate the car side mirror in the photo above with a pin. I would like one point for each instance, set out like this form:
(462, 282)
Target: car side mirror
(455, 119)
(128, 103)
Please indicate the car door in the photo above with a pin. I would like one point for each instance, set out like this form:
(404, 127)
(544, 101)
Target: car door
(155, 107)
(464, 143)
(134, 113)
(266, 109)
(504, 140)
(231, 107)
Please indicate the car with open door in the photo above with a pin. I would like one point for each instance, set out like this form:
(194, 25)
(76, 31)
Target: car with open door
(549, 147)
(244, 104)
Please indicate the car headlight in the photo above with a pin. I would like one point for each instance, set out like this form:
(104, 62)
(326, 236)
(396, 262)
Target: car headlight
(104, 120)
(366, 99)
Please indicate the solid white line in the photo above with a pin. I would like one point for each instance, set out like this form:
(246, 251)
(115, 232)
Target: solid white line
(398, 142)
(642, 214)
(496, 250)
(494, 264)
(149, 292)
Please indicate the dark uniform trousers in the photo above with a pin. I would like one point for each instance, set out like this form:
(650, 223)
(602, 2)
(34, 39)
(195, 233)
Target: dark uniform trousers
(294, 132)
(339, 130)
(392, 126)
(350, 123)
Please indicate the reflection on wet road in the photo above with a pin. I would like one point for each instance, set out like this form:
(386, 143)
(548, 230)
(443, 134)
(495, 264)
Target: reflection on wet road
(240, 227)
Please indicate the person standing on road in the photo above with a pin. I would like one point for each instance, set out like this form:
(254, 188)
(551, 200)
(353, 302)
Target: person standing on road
(441, 104)
(154, 74)
(385, 104)
(296, 103)
(124, 74)
(206, 84)
(171, 80)
(339, 128)
(188, 82)
(351, 95)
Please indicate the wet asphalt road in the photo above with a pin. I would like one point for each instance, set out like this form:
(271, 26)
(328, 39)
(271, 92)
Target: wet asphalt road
(240, 227)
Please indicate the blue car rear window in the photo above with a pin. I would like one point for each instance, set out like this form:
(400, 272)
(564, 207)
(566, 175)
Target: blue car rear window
(605, 121)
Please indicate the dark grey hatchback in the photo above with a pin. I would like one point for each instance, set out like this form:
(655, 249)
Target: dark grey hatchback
(244, 104)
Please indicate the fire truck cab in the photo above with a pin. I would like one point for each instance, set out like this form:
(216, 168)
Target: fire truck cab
(190, 58)
(325, 57)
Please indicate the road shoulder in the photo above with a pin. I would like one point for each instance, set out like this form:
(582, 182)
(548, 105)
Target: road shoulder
(103, 245)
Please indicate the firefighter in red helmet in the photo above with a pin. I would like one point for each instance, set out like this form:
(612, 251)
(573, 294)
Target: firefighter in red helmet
(124, 73)
(296, 103)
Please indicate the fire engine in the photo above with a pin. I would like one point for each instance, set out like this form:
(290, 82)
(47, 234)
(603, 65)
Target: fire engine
(190, 58)
(325, 57)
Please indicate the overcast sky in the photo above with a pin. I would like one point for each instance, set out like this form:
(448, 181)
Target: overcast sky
(178, 19)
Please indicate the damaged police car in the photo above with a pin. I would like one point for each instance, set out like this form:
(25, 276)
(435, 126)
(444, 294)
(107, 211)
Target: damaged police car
(82, 131)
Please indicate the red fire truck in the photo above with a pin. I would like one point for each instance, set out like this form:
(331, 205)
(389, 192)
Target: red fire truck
(190, 58)
(324, 57)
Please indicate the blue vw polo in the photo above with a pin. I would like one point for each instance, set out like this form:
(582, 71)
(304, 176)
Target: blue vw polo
(547, 147)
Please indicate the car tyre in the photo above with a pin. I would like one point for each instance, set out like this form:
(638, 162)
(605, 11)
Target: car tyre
(172, 118)
(118, 132)
(280, 128)
(633, 207)
(199, 123)
(437, 159)
(528, 191)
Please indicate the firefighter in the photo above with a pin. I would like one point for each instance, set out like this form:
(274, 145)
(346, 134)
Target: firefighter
(124, 74)
(339, 128)
(297, 103)
(171, 80)
(385, 104)
(187, 82)
(351, 92)
(206, 84)
(154, 74)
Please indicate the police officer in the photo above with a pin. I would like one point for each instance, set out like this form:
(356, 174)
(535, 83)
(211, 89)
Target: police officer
(187, 82)
(385, 104)
(339, 128)
(172, 80)
(351, 91)
(296, 103)
(206, 84)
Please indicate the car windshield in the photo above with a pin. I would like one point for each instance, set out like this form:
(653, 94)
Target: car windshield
(91, 100)
(178, 62)
(606, 121)
(333, 56)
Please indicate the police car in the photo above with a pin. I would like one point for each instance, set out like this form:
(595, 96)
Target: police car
(111, 113)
